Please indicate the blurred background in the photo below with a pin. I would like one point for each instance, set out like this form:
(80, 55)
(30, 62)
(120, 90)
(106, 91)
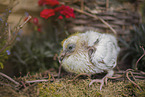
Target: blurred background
(38, 44)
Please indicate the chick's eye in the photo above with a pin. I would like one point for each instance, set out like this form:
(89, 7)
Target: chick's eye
(70, 47)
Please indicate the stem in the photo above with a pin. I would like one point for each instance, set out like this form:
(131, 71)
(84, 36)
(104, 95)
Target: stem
(80, 75)
(10, 41)
(140, 57)
(36, 81)
(133, 81)
(107, 5)
(4, 75)
(59, 70)
(96, 17)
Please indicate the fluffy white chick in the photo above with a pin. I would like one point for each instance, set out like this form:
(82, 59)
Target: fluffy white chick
(90, 52)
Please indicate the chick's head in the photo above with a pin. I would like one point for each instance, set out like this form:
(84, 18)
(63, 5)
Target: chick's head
(70, 45)
(74, 55)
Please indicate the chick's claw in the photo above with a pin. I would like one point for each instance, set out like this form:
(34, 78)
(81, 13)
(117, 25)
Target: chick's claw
(100, 81)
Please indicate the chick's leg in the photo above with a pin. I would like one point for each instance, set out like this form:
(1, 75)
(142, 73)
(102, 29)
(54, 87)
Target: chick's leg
(104, 79)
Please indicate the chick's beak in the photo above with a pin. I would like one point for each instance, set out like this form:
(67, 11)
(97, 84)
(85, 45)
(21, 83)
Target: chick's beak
(62, 55)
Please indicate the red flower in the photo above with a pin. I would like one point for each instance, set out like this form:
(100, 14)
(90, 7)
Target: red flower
(48, 2)
(57, 9)
(52, 2)
(35, 21)
(39, 29)
(40, 2)
(60, 17)
(46, 13)
(66, 11)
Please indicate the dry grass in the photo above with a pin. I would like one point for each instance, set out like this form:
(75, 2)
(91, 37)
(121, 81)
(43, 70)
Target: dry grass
(78, 88)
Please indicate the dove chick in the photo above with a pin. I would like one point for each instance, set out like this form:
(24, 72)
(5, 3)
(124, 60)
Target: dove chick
(90, 52)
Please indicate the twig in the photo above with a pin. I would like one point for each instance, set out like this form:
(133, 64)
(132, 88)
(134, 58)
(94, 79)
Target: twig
(132, 75)
(107, 4)
(138, 75)
(29, 17)
(23, 84)
(59, 72)
(140, 57)
(53, 77)
(116, 77)
(9, 32)
(4, 84)
(4, 47)
(49, 76)
(142, 72)
(25, 89)
(4, 75)
(36, 81)
(82, 5)
(20, 27)
(11, 40)
(96, 17)
(133, 81)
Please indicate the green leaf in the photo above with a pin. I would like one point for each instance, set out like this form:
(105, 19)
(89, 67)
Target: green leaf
(1, 65)
(48, 54)
(123, 42)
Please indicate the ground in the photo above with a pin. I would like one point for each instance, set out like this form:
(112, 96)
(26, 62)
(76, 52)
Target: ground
(63, 87)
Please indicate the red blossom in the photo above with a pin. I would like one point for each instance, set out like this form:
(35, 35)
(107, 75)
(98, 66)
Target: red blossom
(60, 17)
(39, 29)
(57, 9)
(66, 11)
(40, 2)
(48, 2)
(35, 21)
(46, 13)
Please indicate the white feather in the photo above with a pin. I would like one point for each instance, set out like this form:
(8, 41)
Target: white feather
(104, 58)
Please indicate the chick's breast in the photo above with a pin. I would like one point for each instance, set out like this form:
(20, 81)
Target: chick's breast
(79, 63)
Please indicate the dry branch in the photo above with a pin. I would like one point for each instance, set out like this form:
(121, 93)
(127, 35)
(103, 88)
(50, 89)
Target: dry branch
(9, 78)
(36, 81)
(96, 17)
(133, 81)
(140, 57)
(12, 39)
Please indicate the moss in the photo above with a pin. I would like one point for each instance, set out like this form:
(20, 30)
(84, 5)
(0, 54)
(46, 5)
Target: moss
(9, 92)
(78, 88)
(131, 90)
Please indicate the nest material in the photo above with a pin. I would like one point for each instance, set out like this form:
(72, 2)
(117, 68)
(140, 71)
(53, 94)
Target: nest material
(121, 18)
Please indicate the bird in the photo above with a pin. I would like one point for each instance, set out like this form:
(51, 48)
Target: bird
(91, 53)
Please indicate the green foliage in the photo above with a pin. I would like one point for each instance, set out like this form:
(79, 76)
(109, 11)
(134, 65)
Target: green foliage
(134, 51)
(3, 57)
(33, 53)
(4, 36)
(142, 10)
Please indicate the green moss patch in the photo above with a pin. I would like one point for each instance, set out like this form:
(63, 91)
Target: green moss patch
(78, 88)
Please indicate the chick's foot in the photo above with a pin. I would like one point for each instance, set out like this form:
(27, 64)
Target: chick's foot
(100, 81)
(104, 79)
